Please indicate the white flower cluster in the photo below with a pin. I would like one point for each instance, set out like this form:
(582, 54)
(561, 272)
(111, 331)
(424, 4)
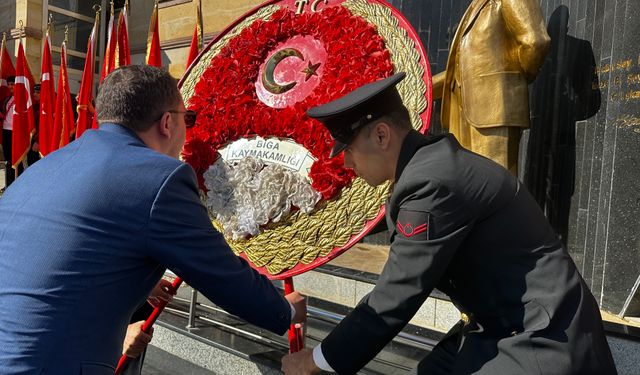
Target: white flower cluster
(248, 194)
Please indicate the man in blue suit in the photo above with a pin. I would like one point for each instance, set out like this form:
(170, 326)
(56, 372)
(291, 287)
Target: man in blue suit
(89, 230)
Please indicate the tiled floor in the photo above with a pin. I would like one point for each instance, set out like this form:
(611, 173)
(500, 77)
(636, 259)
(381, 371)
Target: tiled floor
(159, 362)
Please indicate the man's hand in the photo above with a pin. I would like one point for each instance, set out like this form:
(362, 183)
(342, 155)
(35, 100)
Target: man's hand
(136, 340)
(300, 363)
(160, 293)
(299, 303)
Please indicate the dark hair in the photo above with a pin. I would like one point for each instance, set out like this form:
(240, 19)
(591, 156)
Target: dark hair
(11, 79)
(398, 118)
(136, 96)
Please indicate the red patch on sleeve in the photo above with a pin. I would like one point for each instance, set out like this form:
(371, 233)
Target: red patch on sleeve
(413, 224)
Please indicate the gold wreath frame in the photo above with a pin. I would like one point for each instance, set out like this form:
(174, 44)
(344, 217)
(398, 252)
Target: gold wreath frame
(302, 238)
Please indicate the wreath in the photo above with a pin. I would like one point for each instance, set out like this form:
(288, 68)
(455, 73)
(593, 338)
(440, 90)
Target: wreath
(289, 211)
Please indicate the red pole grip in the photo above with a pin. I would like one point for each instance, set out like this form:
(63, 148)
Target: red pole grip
(296, 339)
(146, 327)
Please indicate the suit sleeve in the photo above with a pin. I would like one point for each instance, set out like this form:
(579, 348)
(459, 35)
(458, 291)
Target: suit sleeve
(415, 265)
(524, 20)
(182, 238)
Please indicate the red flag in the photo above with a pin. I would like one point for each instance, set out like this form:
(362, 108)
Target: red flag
(109, 62)
(196, 40)
(23, 121)
(6, 69)
(193, 50)
(86, 112)
(63, 115)
(124, 53)
(47, 99)
(154, 58)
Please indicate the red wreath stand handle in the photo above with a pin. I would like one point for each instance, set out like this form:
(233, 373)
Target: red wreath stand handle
(296, 336)
(146, 327)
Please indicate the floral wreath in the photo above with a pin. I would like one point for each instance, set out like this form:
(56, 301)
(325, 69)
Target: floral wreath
(277, 219)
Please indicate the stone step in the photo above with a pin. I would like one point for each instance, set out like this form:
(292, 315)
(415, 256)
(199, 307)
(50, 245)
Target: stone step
(159, 362)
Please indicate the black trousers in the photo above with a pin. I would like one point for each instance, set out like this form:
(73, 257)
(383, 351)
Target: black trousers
(10, 174)
(32, 157)
(134, 366)
(443, 356)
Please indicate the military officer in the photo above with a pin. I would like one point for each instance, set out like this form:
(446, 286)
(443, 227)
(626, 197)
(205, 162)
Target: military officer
(463, 224)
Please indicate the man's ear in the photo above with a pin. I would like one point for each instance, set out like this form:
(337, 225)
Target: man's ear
(164, 126)
(382, 134)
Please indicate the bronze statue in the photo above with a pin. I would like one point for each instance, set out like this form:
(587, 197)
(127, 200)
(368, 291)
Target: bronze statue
(497, 50)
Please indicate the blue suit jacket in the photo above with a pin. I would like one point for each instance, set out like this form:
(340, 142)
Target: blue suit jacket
(85, 235)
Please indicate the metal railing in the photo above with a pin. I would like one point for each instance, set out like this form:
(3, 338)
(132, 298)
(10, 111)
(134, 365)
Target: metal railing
(313, 313)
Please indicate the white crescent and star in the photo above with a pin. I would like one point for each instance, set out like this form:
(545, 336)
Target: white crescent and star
(268, 79)
(27, 85)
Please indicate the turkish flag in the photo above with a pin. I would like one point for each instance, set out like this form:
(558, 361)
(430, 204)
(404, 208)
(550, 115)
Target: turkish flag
(109, 62)
(63, 116)
(197, 38)
(6, 70)
(154, 57)
(47, 99)
(124, 53)
(194, 49)
(23, 120)
(86, 111)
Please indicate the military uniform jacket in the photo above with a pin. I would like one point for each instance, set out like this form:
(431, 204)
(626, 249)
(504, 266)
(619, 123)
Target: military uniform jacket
(463, 224)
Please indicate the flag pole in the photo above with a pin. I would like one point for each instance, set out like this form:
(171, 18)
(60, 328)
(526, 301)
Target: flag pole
(49, 24)
(21, 24)
(47, 95)
(2, 46)
(84, 107)
(200, 26)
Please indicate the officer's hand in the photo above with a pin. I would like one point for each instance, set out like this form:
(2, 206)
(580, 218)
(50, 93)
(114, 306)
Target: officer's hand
(300, 363)
(136, 340)
(162, 292)
(299, 303)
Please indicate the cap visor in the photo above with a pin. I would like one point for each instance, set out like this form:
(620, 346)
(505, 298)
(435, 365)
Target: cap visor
(338, 147)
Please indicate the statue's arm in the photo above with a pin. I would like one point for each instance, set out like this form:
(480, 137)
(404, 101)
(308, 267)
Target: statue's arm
(525, 22)
(437, 82)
